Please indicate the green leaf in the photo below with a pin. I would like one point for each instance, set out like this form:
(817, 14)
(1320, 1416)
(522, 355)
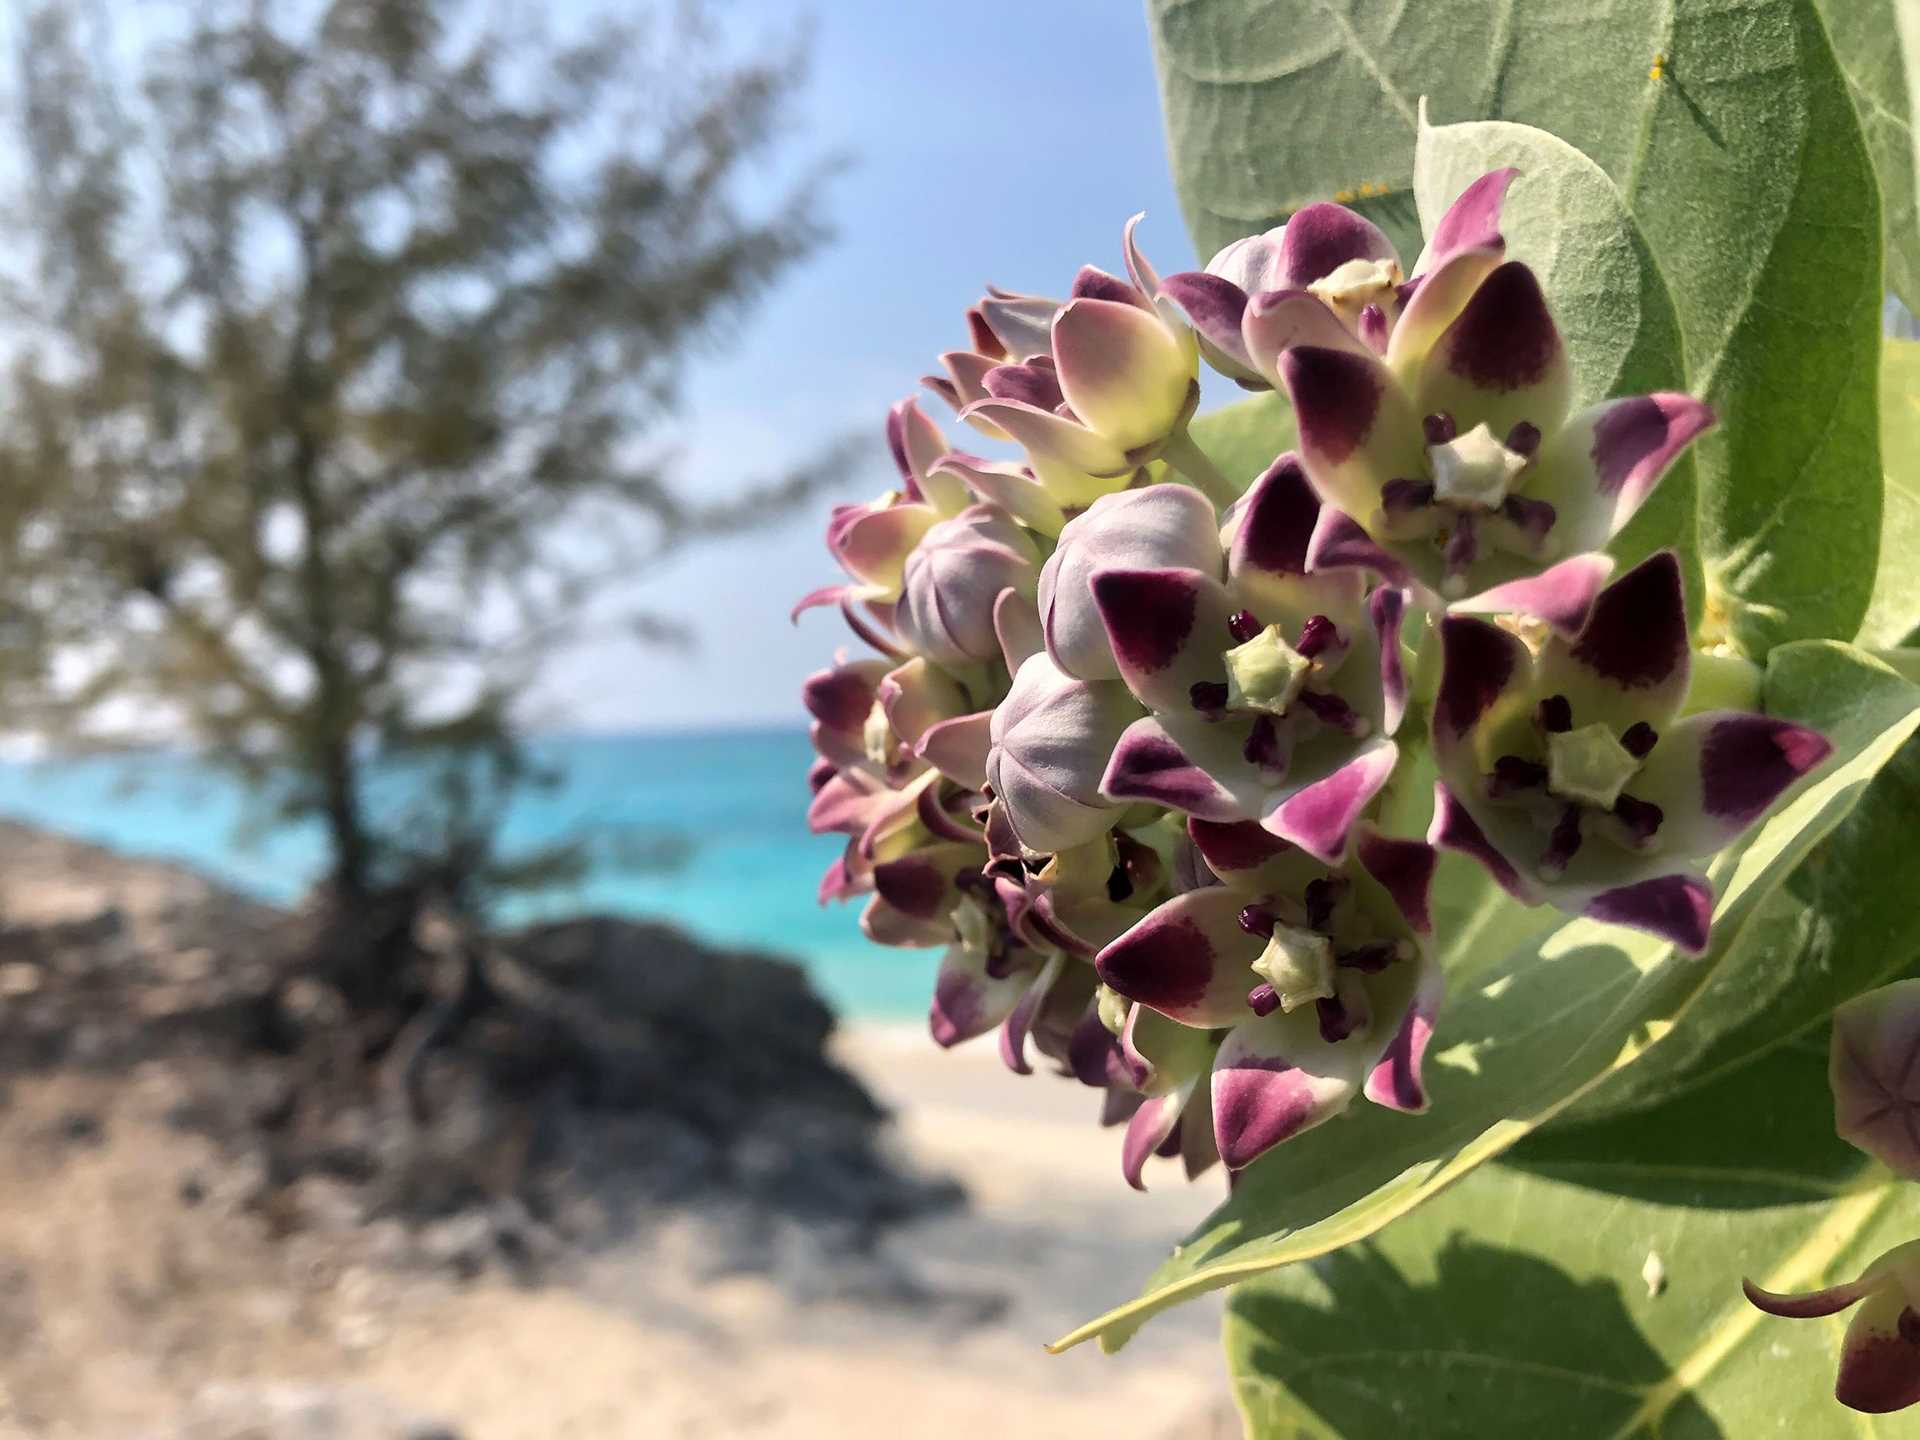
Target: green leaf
(1843, 922)
(1244, 438)
(1519, 1300)
(1532, 1034)
(1895, 608)
(1877, 43)
(1566, 219)
(1742, 162)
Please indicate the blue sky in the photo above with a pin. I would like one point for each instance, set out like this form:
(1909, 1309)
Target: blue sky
(989, 142)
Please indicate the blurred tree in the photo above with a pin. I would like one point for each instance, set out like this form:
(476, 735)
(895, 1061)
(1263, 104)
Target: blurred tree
(345, 323)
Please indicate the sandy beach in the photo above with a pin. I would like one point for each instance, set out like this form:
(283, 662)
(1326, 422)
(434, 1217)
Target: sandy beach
(127, 1314)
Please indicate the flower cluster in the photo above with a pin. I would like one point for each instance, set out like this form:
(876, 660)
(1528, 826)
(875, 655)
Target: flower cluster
(1137, 751)
(1874, 1070)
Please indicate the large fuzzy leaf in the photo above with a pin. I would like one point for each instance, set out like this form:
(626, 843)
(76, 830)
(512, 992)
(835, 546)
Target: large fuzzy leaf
(1519, 1304)
(1878, 45)
(1895, 609)
(1244, 438)
(1532, 1034)
(1728, 128)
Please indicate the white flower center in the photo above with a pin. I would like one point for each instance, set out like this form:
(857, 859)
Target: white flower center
(1589, 765)
(1473, 471)
(1265, 673)
(1357, 284)
(1298, 964)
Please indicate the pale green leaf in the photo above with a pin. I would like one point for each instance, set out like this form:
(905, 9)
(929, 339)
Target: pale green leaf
(1592, 1287)
(1895, 609)
(1244, 438)
(1729, 130)
(1878, 45)
(1528, 1037)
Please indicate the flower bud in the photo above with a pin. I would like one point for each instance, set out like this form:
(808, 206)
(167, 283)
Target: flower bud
(954, 576)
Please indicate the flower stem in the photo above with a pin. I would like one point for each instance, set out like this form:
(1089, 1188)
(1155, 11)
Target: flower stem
(1188, 458)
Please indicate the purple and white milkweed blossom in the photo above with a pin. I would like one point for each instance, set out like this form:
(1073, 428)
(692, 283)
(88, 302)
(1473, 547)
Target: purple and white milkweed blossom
(1127, 751)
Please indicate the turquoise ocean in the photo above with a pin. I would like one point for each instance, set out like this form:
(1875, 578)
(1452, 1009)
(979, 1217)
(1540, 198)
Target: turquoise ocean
(708, 831)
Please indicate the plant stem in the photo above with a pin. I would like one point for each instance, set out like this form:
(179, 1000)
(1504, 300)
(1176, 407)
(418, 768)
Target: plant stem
(1186, 457)
(1903, 658)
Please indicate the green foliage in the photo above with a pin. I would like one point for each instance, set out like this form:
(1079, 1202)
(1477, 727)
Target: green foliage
(1877, 43)
(1729, 131)
(1523, 1039)
(342, 331)
(1895, 609)
(1244, 438)
(1520, 1304)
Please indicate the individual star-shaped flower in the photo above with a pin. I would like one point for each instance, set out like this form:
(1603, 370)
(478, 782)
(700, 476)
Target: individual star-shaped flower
(1271, 692)
(1322, 981)
(1874, 1069)
(1573, 778)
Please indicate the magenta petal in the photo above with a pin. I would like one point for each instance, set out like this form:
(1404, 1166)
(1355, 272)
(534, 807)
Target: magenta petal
(1148, 1130)
(1472, 222)
(1339, 543)
(1454, 829)
(1319, 818)
(1635, 440)
(1397, 1080)
(1150, 765)
(825, 595)
(1275, 521)
(1188, 959)
(1168, 630)
(1563, 596)
(1501, 361)
(1631, 661)
(968, 1001)
(842, 697)
(1274, 1078)
(1238, 847)
(1386, 607)
(1276, 321)
(1033, 384)
(1215, 308)
(1714, 774)
(1480, 665)
(1320, 238)
(1879, 1362)
(1677, 908)
(1404, 869)
(1052, 437)
(1019, 1023)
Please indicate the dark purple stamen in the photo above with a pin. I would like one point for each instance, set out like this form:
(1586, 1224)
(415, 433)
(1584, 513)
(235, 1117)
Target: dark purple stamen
(1439, 428)
(1400, 496)
(1524, 438)
(1332, 711)
(1119, 884)
(1511, 773)
(1263, 747)
(1336, 1021)
(1263, 999)
(1258, 920)
(1554, 715)
(1208, 696)
(1243, 625)
(1369, 959)
(1639, 739)
(1463, 546)
(1564, 843)
(1536, 517)
(1316, 635)
(1320, 897)
(1641, 817)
